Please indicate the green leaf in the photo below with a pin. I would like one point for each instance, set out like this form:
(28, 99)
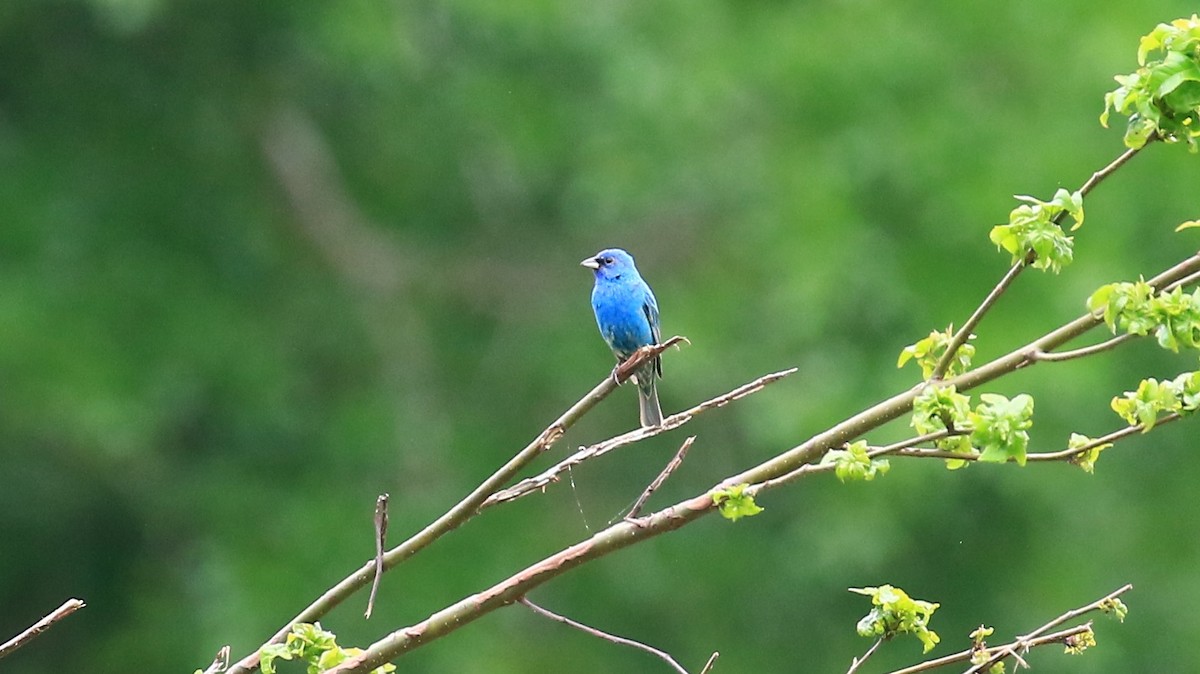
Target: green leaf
(734, 503)
(1087, 458)
(855, 463)
(894, 612)
(999, 427)
(1116, 607)
(1143, 406)
(928, 353)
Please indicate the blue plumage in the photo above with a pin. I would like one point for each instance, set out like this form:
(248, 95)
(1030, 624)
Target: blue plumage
(627, 315)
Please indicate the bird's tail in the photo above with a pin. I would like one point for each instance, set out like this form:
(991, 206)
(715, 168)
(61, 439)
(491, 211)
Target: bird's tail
(648, 407)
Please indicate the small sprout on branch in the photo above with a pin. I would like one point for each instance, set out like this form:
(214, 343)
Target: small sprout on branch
(894, 612)
(854, 463)
(1116, 607)
(1087, 458)
(929, 351)
(1162, 97)
(979, 651)
(943, 408)
(1034, 227)
(999, 427)
(734, 503)
(1190, 224)
(309, 643)
(1076, 644)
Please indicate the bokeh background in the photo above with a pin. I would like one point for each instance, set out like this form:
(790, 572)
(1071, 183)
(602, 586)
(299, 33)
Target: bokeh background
(261, 261)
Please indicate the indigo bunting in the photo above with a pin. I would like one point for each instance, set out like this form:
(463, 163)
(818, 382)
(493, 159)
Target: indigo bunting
(627, 315)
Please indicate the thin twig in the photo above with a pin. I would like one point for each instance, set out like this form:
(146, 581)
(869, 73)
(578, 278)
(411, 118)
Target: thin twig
(68, 607)
(552, 474)
(810, 468)
(964, 333)
(220, 662)
(1068, 453)
(1053, 638)
(662, 477)
(546, 613)
(712, 660)
(381, 523)
(1023, 644)
(465, 509)
(857, 662)
(1060, 356)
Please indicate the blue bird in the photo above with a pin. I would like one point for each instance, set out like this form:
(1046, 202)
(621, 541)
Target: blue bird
(627, 315)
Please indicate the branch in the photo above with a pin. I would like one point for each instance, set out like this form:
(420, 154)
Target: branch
(965, 331)
(624, 534)
(381, 523)
(220, 662)
(1054, 638)
(1023, 643)
(68, 607)
(464, 509)
(662, 477)
(606, 636)
(1067, 454)
(1081, 352)
(552, 474)
(857, 662)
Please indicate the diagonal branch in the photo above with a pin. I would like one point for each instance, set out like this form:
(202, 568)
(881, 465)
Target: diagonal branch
(466, 508)
(624, 534)
(68, 607)
(552, 474)
(546, 613)
(673, 464)
(1022, 644)
(961, 656)
(965, 331)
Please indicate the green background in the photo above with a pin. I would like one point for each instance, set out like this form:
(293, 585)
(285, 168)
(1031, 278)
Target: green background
(261, 261)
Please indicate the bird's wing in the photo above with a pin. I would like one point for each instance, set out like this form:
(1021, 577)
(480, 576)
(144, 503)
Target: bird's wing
(650, 309)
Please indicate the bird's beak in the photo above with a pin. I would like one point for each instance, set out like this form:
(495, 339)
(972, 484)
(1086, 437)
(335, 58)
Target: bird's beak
(591, 263)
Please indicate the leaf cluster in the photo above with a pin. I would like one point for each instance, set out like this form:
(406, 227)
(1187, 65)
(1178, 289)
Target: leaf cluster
(894, 612)
(1172, 317)
(734, 503)
(1033, 229)
(313, 645)
(855, 463)
(1162, 97)
(996, 429)
(1154, 398)
(928, 352)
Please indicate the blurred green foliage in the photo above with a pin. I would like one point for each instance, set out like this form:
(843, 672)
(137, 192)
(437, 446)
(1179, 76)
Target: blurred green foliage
(261, 261)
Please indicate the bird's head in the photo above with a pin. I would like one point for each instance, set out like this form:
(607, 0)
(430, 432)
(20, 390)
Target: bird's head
(611, 263)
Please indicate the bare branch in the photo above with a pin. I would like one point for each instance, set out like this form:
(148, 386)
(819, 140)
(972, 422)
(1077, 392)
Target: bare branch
(1023, 643)
(603, 635)
(962, 656)
(381, 523)
(68, 607)
(964, 333)
(1083, 351)
(552, 474)
(857, 662)
(712, 660)
(220, 662)
(662, 477)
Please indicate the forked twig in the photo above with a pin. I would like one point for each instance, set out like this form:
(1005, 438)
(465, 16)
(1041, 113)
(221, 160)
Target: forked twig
(674, 463)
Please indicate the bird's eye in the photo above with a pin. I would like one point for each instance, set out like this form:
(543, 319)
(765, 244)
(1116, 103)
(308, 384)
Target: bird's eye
(607, 260)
